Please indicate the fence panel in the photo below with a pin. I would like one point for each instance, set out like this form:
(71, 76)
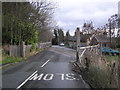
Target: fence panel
(15, 50)
(27, 49)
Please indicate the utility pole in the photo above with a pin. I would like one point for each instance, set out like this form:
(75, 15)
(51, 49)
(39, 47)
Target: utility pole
(77, 43)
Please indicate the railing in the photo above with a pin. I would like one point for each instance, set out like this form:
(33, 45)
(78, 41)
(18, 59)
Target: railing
(87, 47)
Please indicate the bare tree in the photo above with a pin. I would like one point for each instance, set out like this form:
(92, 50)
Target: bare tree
(45, 19)
(87, 27)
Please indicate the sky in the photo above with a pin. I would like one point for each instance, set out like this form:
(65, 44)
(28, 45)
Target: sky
(71, 14)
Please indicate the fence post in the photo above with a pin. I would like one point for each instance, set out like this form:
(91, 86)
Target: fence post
(77, 43)
(10, 51)
(118, 41)
(118, 73)
(22, 49)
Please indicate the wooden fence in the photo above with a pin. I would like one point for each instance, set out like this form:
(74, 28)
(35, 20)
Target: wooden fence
(91, 49)
(24, 50)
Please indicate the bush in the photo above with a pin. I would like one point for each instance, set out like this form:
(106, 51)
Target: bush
(33, 47)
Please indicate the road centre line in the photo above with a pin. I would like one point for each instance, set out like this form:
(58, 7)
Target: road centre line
(45, 63)
(26, 80)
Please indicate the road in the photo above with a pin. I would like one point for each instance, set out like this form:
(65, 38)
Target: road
(48, 69)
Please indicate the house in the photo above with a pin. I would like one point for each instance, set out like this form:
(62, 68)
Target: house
(84, 40)
(102, 40)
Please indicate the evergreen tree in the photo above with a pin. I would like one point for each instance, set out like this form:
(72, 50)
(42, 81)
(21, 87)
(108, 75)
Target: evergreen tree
(67, 37)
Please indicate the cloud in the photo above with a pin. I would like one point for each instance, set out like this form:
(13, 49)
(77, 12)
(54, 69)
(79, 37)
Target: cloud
(73, 13)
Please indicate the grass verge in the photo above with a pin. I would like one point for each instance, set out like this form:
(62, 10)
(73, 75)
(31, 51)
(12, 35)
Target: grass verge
(110, 58)
(6, 59)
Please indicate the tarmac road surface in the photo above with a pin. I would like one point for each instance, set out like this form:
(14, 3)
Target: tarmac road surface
(48, 69)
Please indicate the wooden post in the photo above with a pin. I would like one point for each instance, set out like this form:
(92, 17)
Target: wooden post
(101, 49)
(118, 41)
(77, 43)
(10, 50)
(118, 73)
(0, 24)
(22, 49)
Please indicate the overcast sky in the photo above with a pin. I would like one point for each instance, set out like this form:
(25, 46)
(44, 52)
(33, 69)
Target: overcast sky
(73, 13)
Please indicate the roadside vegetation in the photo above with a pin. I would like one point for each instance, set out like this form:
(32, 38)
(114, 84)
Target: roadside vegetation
(28, 22)
(110, 58)
(106, 74)
(6, 59)
(103, 71)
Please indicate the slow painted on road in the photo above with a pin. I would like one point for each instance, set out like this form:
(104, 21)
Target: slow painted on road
(49, 69)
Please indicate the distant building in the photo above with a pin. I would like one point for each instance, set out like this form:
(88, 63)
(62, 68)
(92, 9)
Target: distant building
(84, 40)
(103, 41)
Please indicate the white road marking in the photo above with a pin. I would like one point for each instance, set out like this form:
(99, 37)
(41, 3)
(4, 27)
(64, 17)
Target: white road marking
(48, 77)
(61, 75)
(70, 76)
(26, 80)
(45, 63)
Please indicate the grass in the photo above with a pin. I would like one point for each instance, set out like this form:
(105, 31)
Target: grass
(110, 58)
(6, 59)
(34, 51)
(101, 77)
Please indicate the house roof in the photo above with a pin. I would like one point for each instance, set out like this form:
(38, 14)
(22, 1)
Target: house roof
(102, 38)
(83, 38)
(72, 38)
